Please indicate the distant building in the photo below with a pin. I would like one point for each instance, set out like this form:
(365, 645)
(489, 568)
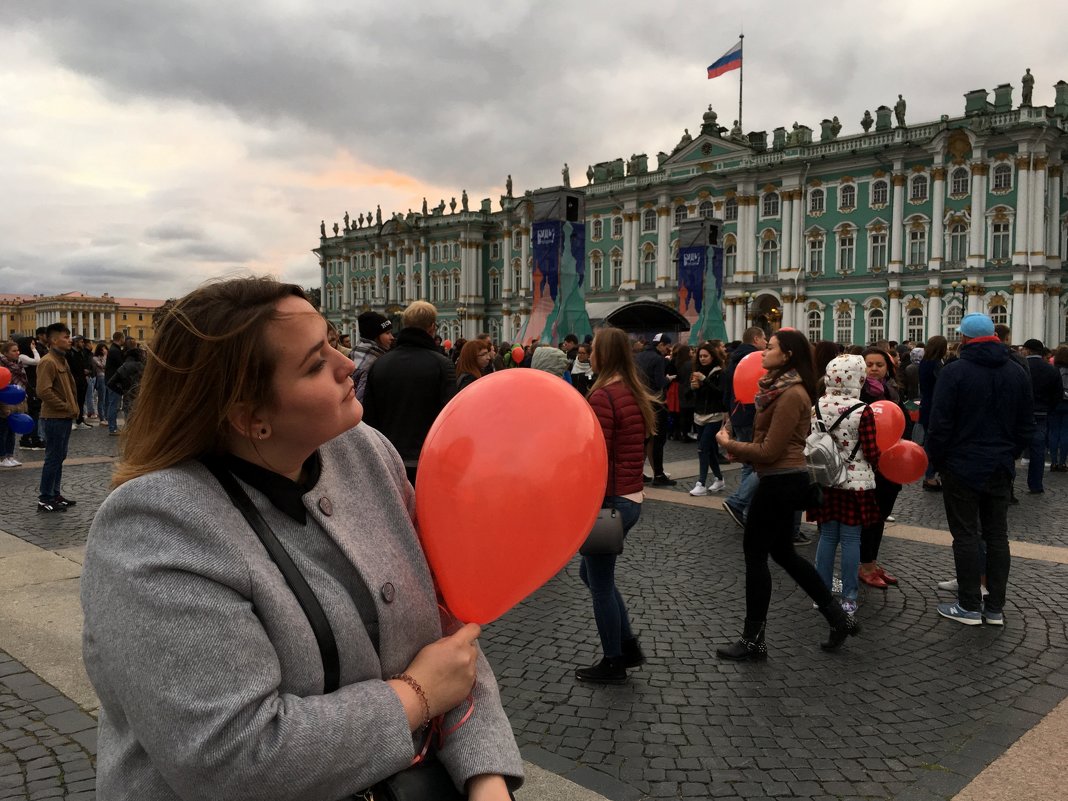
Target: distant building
(890, 233)
(95, 317)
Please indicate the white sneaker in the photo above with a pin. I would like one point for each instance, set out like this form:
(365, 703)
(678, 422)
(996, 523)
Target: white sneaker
(948, 586)
(84, 426)
(717, 485)
(14, 462)
(891, 519)
(7, 461)
(698, 490)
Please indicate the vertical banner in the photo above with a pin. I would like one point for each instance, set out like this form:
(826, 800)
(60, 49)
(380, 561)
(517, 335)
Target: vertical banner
(558, 275)
(547, 243)
(709, 319)
(691, 269)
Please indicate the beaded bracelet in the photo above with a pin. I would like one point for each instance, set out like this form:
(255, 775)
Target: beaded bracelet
(418, 691)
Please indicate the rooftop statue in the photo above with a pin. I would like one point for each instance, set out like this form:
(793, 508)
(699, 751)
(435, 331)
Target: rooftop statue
(463, 200)
(836, 127)
(452, 205)
(336, 226)
(508, 186)
(589, 174)
(424, 207)
(565, 173)
(346, 222)
(1028, 81)
(359, 220)
(378, 216)
(899, 111)
(322, 229)
(867, 121)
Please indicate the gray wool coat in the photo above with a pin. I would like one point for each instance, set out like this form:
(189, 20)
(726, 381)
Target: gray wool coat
(208, 672)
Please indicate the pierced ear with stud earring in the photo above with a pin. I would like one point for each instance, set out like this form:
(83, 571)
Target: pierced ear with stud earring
(263, 433)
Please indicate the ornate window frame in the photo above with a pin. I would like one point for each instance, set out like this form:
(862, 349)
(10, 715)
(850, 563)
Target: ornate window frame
(649, 221)
(814, 322)
(919, 189)
(730, 210)
(872, 309)
(707, 210)
(878, 228)
(770, 205)
(883, 186)
(845, 314)
(816, 247)
(845, 248)
(769, 253)
(917, 229)
(730, 255)
(615, 261)
(960, 182)
(617, 227)
(597, 230)
(1000, 215)
(596, 270)
(1003, 171)
(847, 197)
(817, 201)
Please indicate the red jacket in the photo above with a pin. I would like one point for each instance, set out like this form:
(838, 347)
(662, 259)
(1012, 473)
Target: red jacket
(624, 435)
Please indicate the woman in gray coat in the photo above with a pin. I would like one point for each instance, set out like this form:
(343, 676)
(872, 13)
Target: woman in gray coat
(209, 674)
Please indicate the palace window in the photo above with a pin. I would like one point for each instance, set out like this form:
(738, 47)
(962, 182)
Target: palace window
(730, 258)
(597, 270)
(495, 250)
(880, 193)
(649, 221)
(433, 287)
(815, 201)
(769, 258)
(517, 276)
(876, 326)
(843, 328)
(958, 244)
(847, 251)
(815, 325)
(954, 313)
(416, 292)
(914, 326)
(999, 314)
(999, 241)
(517, 239)
(770, 205)
(706, 211)
(495, 285)
(958, 181)
(617, 227)
(847, 197)
(649, 267)
(1002, 178)
(680, 214)
(878, 259)
(402, 287)
(730, 209)
(597, 230)
(917, 248)
(815, 256)
(617, 268)
(918, 190)
(435, 254)
(455, 251)
(456, 291)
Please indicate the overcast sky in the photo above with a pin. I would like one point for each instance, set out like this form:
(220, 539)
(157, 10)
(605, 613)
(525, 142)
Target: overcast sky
(148, 146)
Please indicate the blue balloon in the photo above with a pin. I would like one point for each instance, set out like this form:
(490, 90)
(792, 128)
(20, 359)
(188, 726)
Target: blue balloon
(20, 423)
(12, 395)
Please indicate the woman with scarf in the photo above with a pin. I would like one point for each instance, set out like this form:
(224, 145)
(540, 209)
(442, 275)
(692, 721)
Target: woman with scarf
(878, 386)
(582, 370)
(783, 422)
(706, 382)
(9, 358)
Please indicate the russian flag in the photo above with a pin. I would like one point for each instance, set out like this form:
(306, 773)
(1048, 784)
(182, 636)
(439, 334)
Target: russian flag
(731, 60)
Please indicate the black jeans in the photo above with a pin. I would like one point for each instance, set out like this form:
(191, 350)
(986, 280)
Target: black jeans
(974, 514)
(769, 531)
(871, 537)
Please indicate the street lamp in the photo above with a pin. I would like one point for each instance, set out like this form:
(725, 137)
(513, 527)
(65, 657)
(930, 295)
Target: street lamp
(461, 314)
(962, 284)
(747, 296)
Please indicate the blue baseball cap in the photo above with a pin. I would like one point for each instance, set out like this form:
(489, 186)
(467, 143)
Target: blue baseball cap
(976, 325)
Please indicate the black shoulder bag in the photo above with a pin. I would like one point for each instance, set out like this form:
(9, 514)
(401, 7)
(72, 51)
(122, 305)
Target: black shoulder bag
(606, 537)
(426, 781)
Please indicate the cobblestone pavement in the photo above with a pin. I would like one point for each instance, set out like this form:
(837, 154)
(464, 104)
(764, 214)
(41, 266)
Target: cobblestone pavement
(47, 744)
(910, 710)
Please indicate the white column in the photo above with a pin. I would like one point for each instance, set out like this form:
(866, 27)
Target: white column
(506, 279)
(1054, 324)
(1037, 317)
(934, 316)
(977, 239)
(1053, 239)
(524, 257)
(786, 252)
(663, 241)
(81, 323)
(729, 322)
(1018, 320)
(4, 333)
(70, 319)
(409, 270)
(1038, 213)
(799, 231)
(893, 323)
(938, 214)
(322, 286)
(346, 286)
(788, 312)
(1025, 200)
(376, 260)
(391, 267)
(628, 275)
(635, 249)
(114, 324)
(897, 229)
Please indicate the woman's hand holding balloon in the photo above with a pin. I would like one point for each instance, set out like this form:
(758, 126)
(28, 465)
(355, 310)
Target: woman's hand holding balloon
(445, 670)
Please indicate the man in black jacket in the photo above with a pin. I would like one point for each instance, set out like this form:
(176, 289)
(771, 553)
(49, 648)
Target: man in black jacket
(116, 356)
(409, 386)
(652, 363)
(1047, 391)
(742, 416)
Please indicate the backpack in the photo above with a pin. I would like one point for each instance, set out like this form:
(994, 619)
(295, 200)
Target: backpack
(826, 465)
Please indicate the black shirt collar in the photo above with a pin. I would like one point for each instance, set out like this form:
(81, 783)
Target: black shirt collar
(286, 495)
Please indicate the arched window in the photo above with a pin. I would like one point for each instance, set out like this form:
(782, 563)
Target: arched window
(617, 268)
(730, 210)
(649, 220)
(847, 250)
(914, 325)
(843, 327)
(918, 190)
(455, 284)
(917, 247)
(999, 241)
(880, 193)
(847, 197)
(770, 205)
(517, 239)
(649, 266)
(815, 255)
(597, 230)
(417, 287)
(954, 314)
(596, 270)
(999, 314)
(455, 251)
(402, 286)
(958, 244)
(959, 181)
(706, 211)
(617, 227)
(434, 296)
(1002, 178)
(495, 285)
(815, 201)
(517, 276)
(680, 214)
(815, 325)
(876, 326)
(769, 257)
(730, 257)
(878, 250)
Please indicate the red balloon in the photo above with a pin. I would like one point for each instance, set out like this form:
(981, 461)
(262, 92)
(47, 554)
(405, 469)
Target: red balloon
(518, 354)
(447, 344)
(889, 423)
(903, 463)
(5, 377)
(746, 375)
(492, 519)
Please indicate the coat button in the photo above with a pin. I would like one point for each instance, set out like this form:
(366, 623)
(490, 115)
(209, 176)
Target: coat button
(325, 506)
(388, 593)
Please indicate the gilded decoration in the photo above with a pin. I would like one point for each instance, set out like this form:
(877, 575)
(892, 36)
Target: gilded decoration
(918, 168)
(707, 166)
(768, 235)
(718, 205)
(979, 168)
(769, 187)
(1018, 288)
(730, 193)
(678, 201)
(843, 307)
(1022, 163)
(1055, 171)
(648, 205)
(934, 291)
(1040, 163)
(915, 303)
(801, 298)
(815, 182)
(877, 228)
(898, 180)
(814, 306)
(976, 289)
(704, 194)
(997, 300)
(958, 145)
(879, 173)
(895, 294)
(846, 179)
(787, 298)
(938, 173)
(875, 304)
(663, 212)
(1000, 215)
(1038, 289)
(1056, 290)
(1001, 157)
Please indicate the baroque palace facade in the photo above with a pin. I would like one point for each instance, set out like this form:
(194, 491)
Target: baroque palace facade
(891, 233)
(94, 317)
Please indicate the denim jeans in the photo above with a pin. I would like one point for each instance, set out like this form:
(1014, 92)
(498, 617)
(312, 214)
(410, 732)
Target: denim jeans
(833, 533)
(1058, 435)
(977, 515)
(707, 452)
(742, 496)
(7, 440)
(1037, 454)
(599, 574)
(112, 400)
(57, 436)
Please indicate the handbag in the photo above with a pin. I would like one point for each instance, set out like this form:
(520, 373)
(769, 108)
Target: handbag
(606, 536)
(707, 419)
(426, 781)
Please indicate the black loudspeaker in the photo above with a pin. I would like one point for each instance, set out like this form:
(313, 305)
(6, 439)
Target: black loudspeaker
(571, 213)
(713, 234)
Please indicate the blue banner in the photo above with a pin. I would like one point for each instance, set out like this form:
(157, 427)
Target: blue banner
(692, 263)
(547, 240)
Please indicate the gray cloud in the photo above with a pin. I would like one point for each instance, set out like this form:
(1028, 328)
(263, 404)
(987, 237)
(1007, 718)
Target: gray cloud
(168, 231)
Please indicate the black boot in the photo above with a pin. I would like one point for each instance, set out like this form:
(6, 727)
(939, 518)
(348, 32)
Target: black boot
(607, 671)
(632, 653)
(750, 647)
(842, 625)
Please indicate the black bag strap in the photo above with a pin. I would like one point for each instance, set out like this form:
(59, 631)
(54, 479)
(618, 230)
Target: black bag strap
(842, 416)
(324, 634)
(615, 437)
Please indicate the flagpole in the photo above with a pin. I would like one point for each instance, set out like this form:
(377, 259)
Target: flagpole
(741, 69)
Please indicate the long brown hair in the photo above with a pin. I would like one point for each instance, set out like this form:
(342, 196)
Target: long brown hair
(936, 348)
(468, 361)
(800, 358)
(613, 354)
(208, 357)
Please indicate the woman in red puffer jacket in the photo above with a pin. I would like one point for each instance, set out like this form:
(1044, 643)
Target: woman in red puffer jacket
(626, 411)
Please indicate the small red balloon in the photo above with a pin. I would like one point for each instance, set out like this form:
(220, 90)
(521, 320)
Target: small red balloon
(447, 344)
(489, 550)
(903, 463)
(5, 377)
(889, 423)
(518, 354)
(746, 375)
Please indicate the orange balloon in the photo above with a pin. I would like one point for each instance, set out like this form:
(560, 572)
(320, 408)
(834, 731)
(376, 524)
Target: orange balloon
(903, 463)
(889, 423)
(491, 515)
(447, 344)
(5, 377)
(518, 354)
(746, 375)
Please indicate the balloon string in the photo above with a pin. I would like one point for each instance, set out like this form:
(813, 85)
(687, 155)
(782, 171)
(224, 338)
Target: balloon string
(438, 731)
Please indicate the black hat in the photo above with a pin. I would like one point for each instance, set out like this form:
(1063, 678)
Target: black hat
(662, 338)
(373, 325)
(1034, 345)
